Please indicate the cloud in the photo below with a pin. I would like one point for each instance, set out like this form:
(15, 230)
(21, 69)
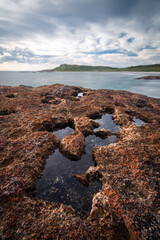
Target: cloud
(121, 35)
(147, 47)
(22, 56)
(58, 31)
(2, 50)
(20, 18)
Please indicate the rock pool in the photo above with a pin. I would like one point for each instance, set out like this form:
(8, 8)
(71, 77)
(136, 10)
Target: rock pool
(57, 182)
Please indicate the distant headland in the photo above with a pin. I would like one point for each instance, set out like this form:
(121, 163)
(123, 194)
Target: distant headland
(86, 68)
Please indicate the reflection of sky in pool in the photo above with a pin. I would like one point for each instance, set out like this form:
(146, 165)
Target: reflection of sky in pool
(63, 132)
(138, 122)
(80, 94)
(106, 122)
(93, 141)
(57, 184)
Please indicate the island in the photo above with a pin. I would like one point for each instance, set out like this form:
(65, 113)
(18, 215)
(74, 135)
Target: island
(85, 68)
(126, 206)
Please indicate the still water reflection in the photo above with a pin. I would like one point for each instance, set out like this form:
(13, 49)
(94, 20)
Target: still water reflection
(57, 184)
(138, 122)
(61, 133)
(106, 122)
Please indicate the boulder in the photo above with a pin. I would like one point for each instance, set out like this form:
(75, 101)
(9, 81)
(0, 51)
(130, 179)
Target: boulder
(92, 174)
(73, 145)
(85, 125)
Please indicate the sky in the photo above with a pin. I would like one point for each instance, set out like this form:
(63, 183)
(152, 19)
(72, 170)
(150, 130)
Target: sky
(38, 34)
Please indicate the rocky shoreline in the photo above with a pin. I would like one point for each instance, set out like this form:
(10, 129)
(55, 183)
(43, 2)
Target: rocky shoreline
(127, 206)
(150, 77)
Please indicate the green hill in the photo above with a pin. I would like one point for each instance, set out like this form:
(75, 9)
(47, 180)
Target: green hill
(143, 68)
(82, 68)
(85, 68)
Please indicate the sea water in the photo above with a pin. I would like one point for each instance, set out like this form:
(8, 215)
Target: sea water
(93, 80)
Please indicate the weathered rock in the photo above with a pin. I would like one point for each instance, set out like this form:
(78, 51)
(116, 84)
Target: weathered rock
(85, 125)
(92, 174)
(129, 168)
(121, 117)
(107, 220)
(132, 190)
(103, 133)
(73, 145)
(149, 77)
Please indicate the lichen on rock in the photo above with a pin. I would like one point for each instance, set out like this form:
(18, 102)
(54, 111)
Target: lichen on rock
(127, 206)
(73, 145)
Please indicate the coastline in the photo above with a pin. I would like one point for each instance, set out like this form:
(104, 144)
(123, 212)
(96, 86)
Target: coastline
(93, 80)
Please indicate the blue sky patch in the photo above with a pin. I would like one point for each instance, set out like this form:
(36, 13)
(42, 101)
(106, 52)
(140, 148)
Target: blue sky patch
(130, 40)
(147, 47)
(123, 34)
(113, 51)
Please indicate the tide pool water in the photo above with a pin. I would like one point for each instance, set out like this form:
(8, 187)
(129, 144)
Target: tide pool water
(106, 122)
(57, 182)
(93, 80)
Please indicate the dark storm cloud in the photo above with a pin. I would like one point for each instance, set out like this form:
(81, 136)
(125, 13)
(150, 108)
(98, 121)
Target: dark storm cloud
(70, 28)
(28, 25)
(47, 16)
(98, 10)
(76, 13)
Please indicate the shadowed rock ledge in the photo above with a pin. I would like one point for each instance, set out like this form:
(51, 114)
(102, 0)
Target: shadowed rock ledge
(127, 206)
(150, 77)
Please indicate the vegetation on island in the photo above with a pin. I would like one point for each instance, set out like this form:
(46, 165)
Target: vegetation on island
(86, 68)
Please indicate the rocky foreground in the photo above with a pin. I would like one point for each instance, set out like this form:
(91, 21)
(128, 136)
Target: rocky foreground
(127, 206)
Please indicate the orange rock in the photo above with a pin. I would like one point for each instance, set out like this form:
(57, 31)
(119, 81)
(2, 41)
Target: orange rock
(73, 144)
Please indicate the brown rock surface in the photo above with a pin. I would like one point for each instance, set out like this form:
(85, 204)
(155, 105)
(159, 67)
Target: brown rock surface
(92, 174)
(73, 145)
(130, 179)
(85, 125)
(150, 77)
(127, 206)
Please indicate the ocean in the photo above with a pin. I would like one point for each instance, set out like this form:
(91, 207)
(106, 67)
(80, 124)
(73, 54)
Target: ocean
(93, 80)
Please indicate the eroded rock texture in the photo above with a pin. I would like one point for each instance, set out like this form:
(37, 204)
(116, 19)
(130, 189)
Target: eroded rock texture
(73, 144)
(127, 206)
